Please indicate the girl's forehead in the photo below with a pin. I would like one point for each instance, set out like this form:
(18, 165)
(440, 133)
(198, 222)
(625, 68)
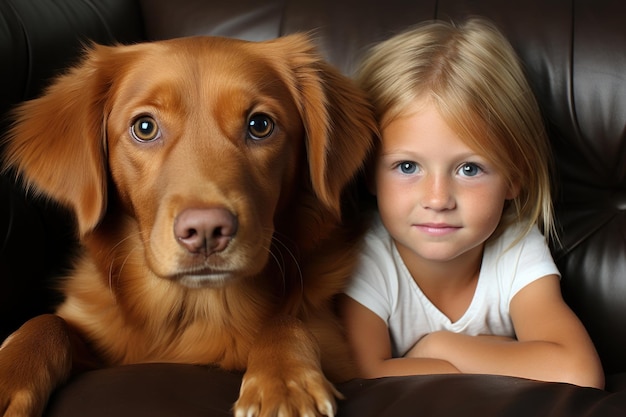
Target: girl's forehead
(423, 122)
(422, 128)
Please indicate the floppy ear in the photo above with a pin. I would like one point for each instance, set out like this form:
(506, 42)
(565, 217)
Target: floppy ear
(57, 141)
(338, 119)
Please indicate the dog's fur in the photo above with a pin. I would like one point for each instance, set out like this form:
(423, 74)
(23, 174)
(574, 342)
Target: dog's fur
(206, 176)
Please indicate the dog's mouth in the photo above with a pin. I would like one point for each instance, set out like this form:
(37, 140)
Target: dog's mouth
(203, 278)
(212, 275)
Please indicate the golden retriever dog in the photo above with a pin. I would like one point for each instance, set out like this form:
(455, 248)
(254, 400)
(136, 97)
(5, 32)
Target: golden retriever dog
(207, 177)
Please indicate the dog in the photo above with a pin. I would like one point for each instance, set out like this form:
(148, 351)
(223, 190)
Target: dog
(207, 177)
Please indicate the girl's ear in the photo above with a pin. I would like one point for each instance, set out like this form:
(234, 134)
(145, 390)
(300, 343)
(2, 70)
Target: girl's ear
(514, 190)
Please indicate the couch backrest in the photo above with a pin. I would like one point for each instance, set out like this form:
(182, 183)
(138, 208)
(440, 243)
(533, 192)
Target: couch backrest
(574, 53)
(39, 39)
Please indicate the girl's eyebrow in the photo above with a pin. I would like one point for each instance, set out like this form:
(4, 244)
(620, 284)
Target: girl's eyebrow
(416, 154)
(400, 153)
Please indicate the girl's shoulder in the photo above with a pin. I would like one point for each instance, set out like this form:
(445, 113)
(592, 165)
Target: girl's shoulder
(378, 252)
(516, 238)
(514, 263)
(377, 235)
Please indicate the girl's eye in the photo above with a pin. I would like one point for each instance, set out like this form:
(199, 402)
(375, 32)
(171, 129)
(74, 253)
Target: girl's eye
(407, 167)
(260, 126)
(470, 170)
(145, 129)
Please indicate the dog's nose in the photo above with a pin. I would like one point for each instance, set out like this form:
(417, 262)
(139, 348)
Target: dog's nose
(206, 230)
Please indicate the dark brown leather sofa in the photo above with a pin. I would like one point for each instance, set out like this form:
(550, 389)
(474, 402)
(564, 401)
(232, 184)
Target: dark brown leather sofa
(574, 52)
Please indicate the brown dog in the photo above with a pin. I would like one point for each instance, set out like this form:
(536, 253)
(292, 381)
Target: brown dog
(206, 177)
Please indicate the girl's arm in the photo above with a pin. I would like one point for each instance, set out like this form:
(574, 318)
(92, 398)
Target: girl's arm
(552, 344)
(368, 336)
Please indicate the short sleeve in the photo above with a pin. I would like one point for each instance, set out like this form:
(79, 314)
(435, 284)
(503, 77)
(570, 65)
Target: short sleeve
(530, 259)
(367, 288)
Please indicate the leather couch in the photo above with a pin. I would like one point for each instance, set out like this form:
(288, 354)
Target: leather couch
(574, 54)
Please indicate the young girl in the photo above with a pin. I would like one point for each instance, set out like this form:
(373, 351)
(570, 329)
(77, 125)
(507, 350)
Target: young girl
(455, 275)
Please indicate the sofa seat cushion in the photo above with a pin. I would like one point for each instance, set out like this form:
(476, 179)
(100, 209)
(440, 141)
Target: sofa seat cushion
(157, 390)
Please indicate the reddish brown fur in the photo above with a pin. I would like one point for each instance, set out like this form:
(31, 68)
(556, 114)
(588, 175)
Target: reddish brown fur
(125, 296)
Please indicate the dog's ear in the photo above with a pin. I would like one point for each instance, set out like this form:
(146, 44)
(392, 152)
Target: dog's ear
(339, 121)
(57, 141)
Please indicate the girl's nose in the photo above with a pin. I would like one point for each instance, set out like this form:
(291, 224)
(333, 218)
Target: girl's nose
(438, 193)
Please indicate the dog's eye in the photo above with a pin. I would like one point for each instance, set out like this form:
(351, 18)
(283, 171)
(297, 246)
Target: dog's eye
(260, 126)
(145, 129)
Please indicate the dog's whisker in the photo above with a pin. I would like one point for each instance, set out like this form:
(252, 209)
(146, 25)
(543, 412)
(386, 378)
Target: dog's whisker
(277, 240)
(122, 241)
(111, 255)
(279, 262)
(279, 259)
(121, 268)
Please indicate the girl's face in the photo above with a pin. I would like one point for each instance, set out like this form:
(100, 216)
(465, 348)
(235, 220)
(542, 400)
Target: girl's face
(438, 198)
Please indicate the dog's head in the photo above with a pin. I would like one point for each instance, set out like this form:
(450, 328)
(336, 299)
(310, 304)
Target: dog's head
(201, 140)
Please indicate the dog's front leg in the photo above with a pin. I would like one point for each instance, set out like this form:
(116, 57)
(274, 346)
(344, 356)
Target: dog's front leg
(284, 375)
(34, 360)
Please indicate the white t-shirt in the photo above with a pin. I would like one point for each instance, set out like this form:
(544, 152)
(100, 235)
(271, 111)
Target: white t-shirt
(383, 284)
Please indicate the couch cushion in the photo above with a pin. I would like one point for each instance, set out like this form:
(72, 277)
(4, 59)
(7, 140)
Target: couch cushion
(164, 390)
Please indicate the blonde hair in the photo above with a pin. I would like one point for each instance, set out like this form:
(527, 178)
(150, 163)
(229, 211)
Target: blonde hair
(473, 76)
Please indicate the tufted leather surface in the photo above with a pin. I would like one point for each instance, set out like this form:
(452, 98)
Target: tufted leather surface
(41, 38)
(573, 51)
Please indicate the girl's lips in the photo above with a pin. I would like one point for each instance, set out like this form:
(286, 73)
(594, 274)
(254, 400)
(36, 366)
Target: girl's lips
(437, 229)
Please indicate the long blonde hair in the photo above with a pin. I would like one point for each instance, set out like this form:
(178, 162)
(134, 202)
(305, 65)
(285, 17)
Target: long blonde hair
(473, 76)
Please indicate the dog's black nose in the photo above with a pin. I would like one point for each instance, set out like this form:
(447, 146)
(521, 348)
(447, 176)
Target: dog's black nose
(205, 231)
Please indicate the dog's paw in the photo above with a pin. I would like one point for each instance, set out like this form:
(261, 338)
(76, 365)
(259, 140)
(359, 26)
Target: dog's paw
(18, 398)
(19, 403)
(307, 394)
(33, 361)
